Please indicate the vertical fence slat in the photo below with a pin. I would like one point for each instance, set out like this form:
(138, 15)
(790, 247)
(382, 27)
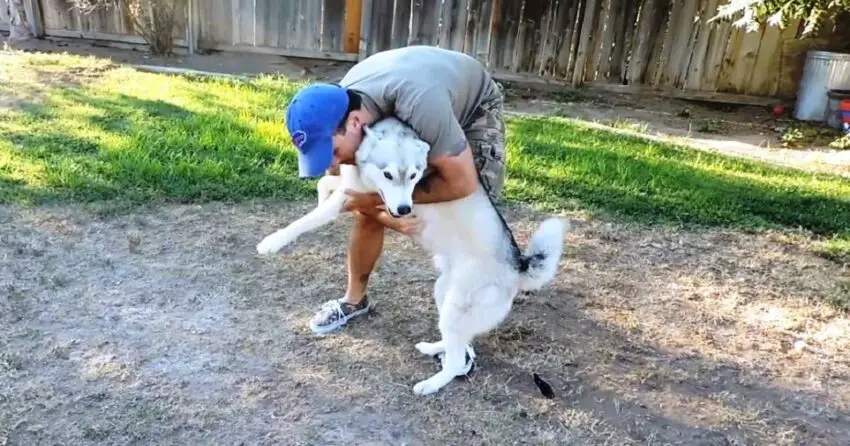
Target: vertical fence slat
(623, 25)
(444, 40)
(471, 25)
(548, 39)
(661, 53)
(718, 40)
(764, 79)
(533, 18)
(740, 60)
(423, 24)
(333, 16)
(602, 62)
(693, 79)
(381, 35)
(354, 12)
(519, 40)
(506, 25)
(458, 24)
(401, 24)
(483, 23)
(788, 69)
(566, 56)
(588, 25)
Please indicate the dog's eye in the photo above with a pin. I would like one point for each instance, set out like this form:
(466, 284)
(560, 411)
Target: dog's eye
(388, 176)
(412, 175)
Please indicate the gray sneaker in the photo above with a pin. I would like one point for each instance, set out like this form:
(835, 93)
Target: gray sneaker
(334, 314)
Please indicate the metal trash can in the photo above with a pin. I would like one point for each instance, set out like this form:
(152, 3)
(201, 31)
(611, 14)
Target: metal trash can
(823, 71)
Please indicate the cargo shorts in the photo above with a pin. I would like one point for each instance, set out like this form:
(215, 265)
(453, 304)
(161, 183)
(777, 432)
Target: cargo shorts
(486, 137)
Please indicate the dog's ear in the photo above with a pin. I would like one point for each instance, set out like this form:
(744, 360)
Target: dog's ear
(371, 133)
(424, 147)
(370, 139)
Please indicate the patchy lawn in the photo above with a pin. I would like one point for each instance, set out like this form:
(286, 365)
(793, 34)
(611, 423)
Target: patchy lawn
(689, 308)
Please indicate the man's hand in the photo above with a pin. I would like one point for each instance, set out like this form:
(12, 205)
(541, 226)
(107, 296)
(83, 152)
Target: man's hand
(454, 177)
(365, 202)
(408, 225)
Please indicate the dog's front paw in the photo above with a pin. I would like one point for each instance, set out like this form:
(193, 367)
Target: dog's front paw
(426, 387)
(431, 348)
(270, 244)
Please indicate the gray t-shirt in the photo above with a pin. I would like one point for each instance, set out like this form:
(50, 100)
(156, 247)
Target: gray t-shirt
(434, 90)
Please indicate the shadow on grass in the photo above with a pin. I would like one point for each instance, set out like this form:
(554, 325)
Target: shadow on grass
(92, 146)
(554, 163)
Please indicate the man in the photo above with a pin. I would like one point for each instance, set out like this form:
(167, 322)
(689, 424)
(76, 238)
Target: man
(447, 97)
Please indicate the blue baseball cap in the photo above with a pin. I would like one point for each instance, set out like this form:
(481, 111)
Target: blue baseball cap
(311, 118)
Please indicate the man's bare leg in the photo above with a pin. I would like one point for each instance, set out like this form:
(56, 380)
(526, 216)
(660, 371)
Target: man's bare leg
(364, 248)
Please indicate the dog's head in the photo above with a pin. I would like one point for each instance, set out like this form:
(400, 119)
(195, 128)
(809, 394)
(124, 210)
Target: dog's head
(392, 159)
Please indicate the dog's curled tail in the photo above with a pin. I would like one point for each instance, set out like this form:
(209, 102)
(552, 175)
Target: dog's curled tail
(544, 252)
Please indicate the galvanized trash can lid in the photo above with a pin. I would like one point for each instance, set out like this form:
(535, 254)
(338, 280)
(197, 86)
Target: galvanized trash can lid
(838, 94)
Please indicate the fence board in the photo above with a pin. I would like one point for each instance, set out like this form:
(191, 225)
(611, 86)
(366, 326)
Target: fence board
(740, 60)
(539, 23)
(764, 77)
(568, 51)
(333, 17)
(457, 32)
(605, 38)
(444, 36)
(5, 20)
(588, 26)
(702, 36)
(504, 40)
(658, 43)
(561, 39)
(352, 29)
(481, 39)
(381, 35)
(401, 24)
(423, 24)
(623, 29)
(677, 42)
(517, 36)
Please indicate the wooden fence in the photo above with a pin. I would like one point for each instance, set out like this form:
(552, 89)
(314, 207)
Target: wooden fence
(662, 44)
(4, 17)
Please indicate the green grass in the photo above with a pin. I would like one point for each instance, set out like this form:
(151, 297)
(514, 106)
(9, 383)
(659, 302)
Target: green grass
(137, 137)
(129, 138)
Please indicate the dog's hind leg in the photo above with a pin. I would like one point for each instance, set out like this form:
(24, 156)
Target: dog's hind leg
(459, 324)
(441, 287)
(454, 365)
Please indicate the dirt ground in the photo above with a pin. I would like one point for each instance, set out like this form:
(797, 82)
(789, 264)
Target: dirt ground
(744, 131)
(164, 326)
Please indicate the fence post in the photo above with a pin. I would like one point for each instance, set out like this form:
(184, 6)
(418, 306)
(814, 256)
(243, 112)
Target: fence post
(32, 9)
(351, 31)
(365, 47)
(191, 27)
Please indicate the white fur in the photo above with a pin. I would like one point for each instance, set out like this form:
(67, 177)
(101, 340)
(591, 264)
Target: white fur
(472, 247)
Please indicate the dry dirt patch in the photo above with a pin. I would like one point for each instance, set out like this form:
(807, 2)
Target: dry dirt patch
(164, 327)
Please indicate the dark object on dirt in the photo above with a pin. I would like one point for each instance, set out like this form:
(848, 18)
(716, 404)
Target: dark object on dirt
(684, 113)
(544, 387)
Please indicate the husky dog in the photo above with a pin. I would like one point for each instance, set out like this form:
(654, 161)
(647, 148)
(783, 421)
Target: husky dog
(481, 268)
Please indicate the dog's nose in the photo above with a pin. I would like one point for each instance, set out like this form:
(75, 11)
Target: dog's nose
(403, 209)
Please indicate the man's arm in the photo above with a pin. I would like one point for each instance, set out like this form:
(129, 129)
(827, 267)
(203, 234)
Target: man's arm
(454, 177)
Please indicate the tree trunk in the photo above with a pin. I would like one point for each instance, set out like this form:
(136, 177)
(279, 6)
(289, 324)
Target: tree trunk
(19, 25)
